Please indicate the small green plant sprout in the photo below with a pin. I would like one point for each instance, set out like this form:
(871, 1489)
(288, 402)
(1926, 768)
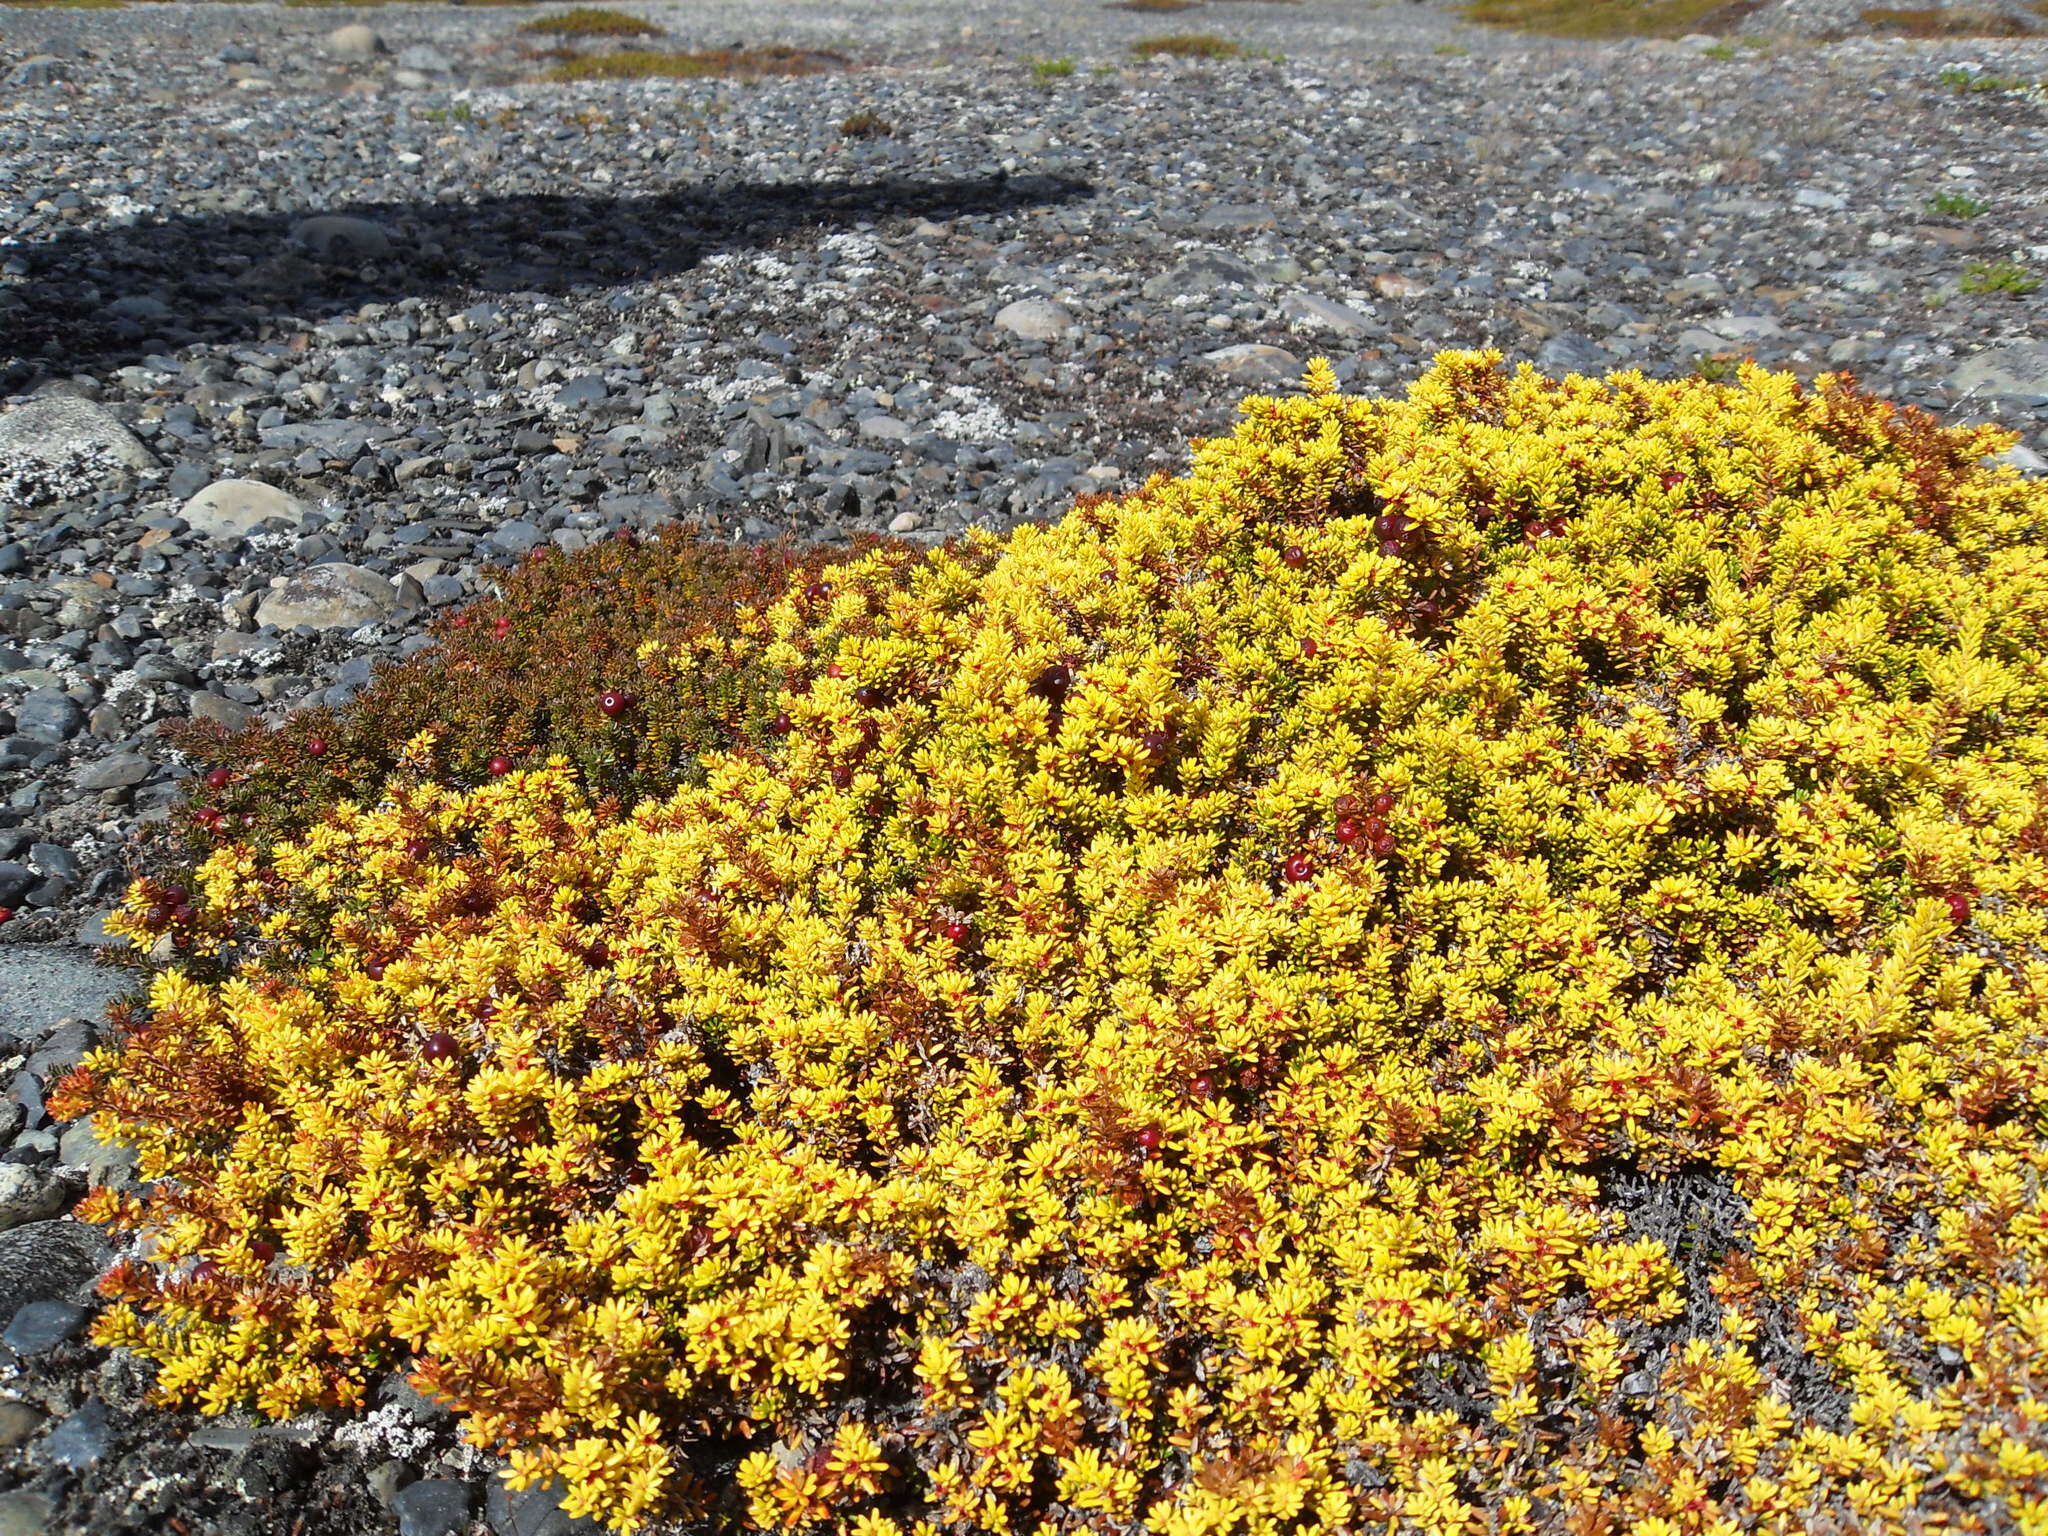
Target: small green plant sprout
(1998, 277)
(1051, 69)
(1721, 50)
(1967, 80)
(1154, 5)
(1715, 370)
(1186, 45)
(866, 125)
(1956, 205)
(1449, 51)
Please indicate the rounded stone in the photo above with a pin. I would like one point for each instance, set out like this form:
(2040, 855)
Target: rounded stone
(1035, 319)
(355, 41)
(29, 1195)
(339, 237)
(1251, 363)
(336, 596)
(58, 429)
(234, 509)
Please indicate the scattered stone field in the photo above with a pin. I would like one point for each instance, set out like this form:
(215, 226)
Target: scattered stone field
(309, 317)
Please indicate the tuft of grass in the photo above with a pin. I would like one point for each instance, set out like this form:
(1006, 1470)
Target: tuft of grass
(866, 125)
(593, 21)
(1051, 69)
(1153, 5)
(1998, 277)
(1187, 45)
(1719, 51)
(64, 5)
(650, 64)
(1595, 18)
(1970, 82)
(1941, 21)
(1715, 370)
(1956, 205)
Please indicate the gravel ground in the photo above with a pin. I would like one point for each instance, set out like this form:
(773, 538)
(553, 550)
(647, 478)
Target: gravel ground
(420, 313)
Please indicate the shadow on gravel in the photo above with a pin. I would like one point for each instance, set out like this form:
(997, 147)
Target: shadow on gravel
(101, 299)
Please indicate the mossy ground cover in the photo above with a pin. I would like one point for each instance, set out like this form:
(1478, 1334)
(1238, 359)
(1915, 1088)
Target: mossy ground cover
(1472, 964)
(592, 21)
(1186, 45)
(1597, 18)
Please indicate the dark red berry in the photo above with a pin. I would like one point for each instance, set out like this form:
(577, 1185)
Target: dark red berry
(1298, 868)
(779, 725)
(623, 535)
(499, 765)
(1203, 1085)
(867, 695)
(1293, 557)
(374, 970)
(1382, 804)
(818, 591)
(599, 953)
(1958, 908)
(417, 847)
(1344, 805)
(6, 914)
(317, 747)
(835, 670)
(1156, 743)
(501, 626)
(1054, 682)
(219, 778)
(842, 776)
(955, 930)
(159, 917)
(1148, 1139)
(611, 701)
(439, 1046)
(184, 912)
(206, 1271)
(1383, 845)
(1349, 832)
(1309, 649)
(460, 621)
(537, 556)
(262, 1251)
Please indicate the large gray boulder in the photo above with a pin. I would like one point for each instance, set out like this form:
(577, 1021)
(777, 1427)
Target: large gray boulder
(2017, 371)
(60, 445)
(333, 596)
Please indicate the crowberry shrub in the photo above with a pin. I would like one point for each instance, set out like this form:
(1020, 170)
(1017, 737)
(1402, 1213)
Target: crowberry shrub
(1634, 1120)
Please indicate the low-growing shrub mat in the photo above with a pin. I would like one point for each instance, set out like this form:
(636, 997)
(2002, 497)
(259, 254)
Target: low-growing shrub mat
(1953, 21)
(1472, 964)
(592, 21)
(1186, 45)
(632, 660)
(1603, 18)
(648, 63)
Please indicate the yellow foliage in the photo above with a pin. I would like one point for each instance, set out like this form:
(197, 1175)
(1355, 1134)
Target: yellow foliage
(1474, 963)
